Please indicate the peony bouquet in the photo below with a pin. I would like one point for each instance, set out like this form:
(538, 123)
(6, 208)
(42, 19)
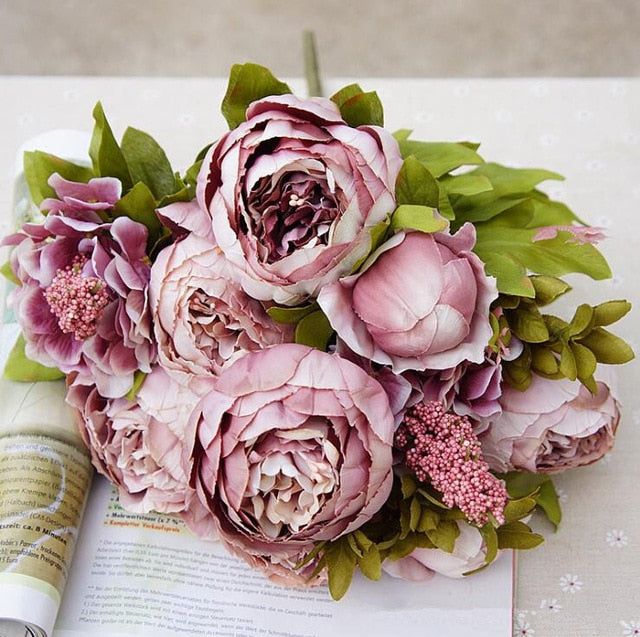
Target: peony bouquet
(325, 345)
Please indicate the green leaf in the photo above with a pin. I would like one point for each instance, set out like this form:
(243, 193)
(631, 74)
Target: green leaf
(20, 368)
(140, 205)
(544, 362)
(607, 348)
(548, 288)
(416, 185)
(490, 536)
(291, 315)
(359, 108)
(371, 564)
(402, 134)
(429, 520)
(148, 163)
(511, 275)
(341, 563)
(408, 486)
(520, 484)
(567, 366)
(441, 157)
(517, 535)
(520, 508)
(412, 217)
(610, 312)
(553, 257)
(39, 166)
(415, 511)
(586, 362)
(549, 503)
(106, 155)
(248, 83)
(468, 184)
(445, 535)
(314, 330)
(528, 325)
(510, 181)
(582, 321)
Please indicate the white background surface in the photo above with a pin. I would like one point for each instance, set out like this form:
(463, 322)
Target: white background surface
(585, 580)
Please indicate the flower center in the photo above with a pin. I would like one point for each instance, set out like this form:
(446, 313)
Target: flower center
(295, 213)
(77, 300)
(289, 484)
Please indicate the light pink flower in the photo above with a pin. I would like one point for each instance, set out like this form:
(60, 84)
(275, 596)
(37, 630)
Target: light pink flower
(294, 192)
(422, 302)
(295, 447)
(202, 317)
(142, 447)
(468, 554)
(552, 426)
(82, 303)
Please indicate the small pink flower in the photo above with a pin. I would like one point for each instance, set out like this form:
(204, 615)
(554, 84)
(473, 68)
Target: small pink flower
(421, 303)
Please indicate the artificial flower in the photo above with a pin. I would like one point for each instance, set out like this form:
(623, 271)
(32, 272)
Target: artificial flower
(294, 446)
(436, 319)
(552, 426)
(294, 193)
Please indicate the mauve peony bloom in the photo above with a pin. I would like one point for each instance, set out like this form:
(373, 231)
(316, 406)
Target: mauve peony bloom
(552, 426)
(468, 554)
(82, 303)
(295, 447)
(202, 317)
(421, 302)
(294, 192)
(142, 447)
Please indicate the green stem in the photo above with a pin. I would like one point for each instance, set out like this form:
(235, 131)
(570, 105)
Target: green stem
(311, 70)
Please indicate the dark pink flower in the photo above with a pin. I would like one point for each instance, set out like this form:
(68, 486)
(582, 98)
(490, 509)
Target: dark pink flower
(421, 302)
(142, 447)
(295, 446)
(82, 303)
(294, 192)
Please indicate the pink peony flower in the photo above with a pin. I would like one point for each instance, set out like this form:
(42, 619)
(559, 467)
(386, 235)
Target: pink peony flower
(202, 317)
(468, 554)
(142, 447)
(295, 446)
(82, 303)
(421, 302)
(294, 192)
(552, 426)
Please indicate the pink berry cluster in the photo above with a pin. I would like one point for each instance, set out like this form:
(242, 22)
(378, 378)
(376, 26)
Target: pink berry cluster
(442, 449)
(77, 300)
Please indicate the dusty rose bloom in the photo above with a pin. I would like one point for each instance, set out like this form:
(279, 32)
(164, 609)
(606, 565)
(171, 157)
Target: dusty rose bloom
(422, 302)
(294, 447)
(142, 447)
(552, 426)
(202, 317)
(294, 192)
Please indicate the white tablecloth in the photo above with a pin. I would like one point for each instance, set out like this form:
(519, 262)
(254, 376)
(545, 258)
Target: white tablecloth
(585, 580)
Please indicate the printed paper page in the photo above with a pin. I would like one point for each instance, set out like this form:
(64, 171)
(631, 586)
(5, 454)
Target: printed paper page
(148, 576)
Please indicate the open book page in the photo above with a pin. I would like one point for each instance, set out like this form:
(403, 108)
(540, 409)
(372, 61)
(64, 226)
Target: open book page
(148, 576)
